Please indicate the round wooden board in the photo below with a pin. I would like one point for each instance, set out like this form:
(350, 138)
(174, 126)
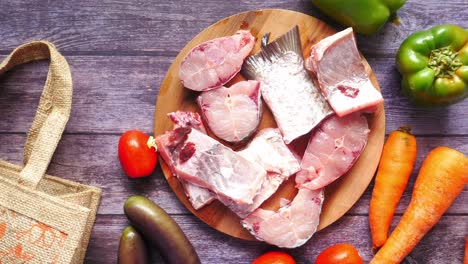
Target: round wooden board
(342, 194)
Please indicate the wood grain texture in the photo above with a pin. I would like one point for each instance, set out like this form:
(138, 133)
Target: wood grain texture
(121, 95)
(110, 27)
(119, 52)
(442, 245)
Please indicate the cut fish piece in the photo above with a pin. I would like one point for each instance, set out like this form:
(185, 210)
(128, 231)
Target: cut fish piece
(292, 225)
(201, 160)
(269, 186)
(213, 63)
(234, 113)
(187, 119)
(341, 74)
(198, 196)
(288, 90)
(332, 150)
(269, 150)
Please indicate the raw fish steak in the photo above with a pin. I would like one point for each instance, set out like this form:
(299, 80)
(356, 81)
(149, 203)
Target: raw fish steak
(213, 63)
(269, 150)
(198, 196)
(332, 150)
(288, 90)
(201, 160)
(341, 75)
(234, 113)
(292, 225)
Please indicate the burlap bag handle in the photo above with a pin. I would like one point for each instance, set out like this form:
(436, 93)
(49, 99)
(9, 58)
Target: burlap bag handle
(53, 110)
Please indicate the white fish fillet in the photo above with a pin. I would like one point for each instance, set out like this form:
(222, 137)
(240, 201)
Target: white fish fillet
(268, 150)
(213, 63)
(234, 113)
(201, 160)
(332, 150)
(198, 196)
(292, 225)
(342, 77)
(288, 90)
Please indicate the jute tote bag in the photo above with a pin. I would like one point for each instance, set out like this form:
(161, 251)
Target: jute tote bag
(44, 219)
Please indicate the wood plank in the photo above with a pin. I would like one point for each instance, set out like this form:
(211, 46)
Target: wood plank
(113, 27)
(116, 93)
(92, 159)
(443, 244)
(111, 94)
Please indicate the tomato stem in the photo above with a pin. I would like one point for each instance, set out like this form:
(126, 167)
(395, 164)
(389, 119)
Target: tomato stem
(151, 143)
(405, 129)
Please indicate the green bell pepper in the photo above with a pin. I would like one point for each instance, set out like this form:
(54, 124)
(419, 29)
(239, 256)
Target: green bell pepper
(365, 16)
(434, 65)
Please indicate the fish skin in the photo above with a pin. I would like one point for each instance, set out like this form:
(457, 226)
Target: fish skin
(332, 150)
(288, 90)
(198, 196)
(341, 74)
(213, 63)
(232, 114)
(211, 165)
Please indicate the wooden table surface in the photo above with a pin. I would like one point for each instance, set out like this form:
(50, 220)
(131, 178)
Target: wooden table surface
(119, 52)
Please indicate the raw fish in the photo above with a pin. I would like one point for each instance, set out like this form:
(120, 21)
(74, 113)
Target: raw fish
(198, 196)
(187, 119)
(288, 90)
(292, 225)
(201, 160)
(332, 150)
(268, 150)
(213, 63)
(234, 113)
(341, 75)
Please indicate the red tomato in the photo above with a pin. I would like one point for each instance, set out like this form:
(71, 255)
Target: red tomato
(339, 254)
(136, 157)
(274, 257)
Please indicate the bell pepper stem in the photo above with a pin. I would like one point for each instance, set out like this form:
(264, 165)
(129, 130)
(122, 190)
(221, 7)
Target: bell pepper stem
(444, 62)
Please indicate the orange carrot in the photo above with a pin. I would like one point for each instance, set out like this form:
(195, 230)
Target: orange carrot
(441, 179)
(395, 167)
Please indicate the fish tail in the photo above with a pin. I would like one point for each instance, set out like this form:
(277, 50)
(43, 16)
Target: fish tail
(289, 42)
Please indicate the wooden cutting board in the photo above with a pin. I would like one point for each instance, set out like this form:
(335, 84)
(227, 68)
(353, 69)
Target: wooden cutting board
(342, 194)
